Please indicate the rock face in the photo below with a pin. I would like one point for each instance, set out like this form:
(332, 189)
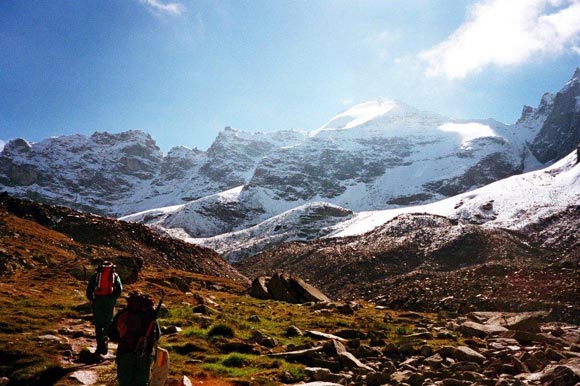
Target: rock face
(560, 129)
(117, 174)
(286, 288)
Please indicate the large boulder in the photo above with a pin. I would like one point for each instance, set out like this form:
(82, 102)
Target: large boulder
(286, 288)
(258, 289)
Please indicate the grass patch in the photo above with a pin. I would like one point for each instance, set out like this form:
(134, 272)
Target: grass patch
(220, 330)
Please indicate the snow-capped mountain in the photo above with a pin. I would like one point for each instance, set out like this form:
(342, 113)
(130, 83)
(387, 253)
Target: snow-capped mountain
(514, 203)
(374, 156)
(117, 174)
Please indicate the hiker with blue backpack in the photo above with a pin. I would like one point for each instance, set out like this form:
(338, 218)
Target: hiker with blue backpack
(103, 290)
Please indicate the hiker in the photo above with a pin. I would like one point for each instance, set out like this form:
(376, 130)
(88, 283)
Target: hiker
(136, 330)
(102, 291)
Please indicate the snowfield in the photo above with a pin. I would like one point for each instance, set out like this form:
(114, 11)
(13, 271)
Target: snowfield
(512, 203)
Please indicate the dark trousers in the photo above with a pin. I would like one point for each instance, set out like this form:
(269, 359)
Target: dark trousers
(103, 308)
(133, 370)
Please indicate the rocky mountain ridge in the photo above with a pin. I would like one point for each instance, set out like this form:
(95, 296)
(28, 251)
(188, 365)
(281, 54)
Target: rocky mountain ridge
(376, 155)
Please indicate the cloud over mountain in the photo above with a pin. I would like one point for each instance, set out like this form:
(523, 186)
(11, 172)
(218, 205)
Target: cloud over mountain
(506, 33)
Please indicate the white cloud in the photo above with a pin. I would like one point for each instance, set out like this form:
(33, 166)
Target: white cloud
(506, 33)
(174, 9)
(2, 144)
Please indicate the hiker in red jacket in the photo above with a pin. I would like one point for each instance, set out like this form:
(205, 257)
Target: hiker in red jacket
(103, 290)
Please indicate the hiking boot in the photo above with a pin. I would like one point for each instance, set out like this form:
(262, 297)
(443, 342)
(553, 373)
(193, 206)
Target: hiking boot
(102, 349)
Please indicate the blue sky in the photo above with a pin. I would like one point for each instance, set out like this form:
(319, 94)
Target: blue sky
(182, 70)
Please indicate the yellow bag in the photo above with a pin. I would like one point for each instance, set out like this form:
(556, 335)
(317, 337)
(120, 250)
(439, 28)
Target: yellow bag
(160, 368)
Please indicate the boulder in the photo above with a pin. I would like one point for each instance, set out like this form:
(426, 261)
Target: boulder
(279, 289)
(324, 336)
(258, 289)
(480, 330)
(464, 353)
(286, 288)
(562, 374)
(325, 375)
(522, 321)
(407, 377)
(350, 361)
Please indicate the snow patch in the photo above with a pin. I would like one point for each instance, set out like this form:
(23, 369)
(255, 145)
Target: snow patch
(356, 116)
(468, 131)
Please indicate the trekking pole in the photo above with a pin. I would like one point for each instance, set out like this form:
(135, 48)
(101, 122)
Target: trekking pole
(141, 348)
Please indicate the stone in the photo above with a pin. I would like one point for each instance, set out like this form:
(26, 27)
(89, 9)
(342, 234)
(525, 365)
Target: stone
(562, 374)
(379, 378)
(325, 375)
(324, 336)
(464, 353)
(434, 361)
(350, 361)
(554, 355)
(204, 309)
(263, 340)
(522, 337)
(407, 377)
(85, 377)
(297, 353)
(258, 289)
(170, 330)
(52, 338)
(293, 331)
(480, 330)
(523, 321)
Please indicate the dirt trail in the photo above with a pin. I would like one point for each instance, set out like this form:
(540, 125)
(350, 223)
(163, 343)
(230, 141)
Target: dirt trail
(81, 336)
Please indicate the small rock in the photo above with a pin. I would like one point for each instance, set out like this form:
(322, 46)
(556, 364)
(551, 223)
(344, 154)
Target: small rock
(293, 331)
(170, 330)
(464, 353)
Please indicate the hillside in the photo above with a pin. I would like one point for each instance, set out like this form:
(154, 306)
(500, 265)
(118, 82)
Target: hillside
(218, 336)
(427, 262)
(28, 227)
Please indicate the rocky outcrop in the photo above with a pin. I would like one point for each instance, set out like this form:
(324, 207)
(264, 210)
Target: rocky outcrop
(286, 288)
(560, 131)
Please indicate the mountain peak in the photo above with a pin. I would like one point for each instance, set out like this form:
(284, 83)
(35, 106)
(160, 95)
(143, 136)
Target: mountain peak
(576, 75)
(362, 113)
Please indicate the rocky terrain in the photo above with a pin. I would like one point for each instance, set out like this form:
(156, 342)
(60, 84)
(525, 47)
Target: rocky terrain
(218, 335)
(493, 349)
(429, 263)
